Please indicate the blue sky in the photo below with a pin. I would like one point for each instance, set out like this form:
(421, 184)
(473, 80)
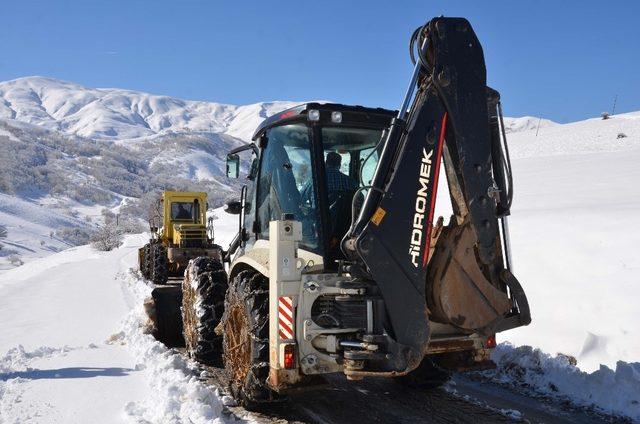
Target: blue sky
(563, 60)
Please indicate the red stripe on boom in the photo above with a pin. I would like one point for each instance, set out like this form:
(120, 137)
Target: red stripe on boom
(443, 130)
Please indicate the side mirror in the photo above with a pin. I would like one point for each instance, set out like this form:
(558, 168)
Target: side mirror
(234, 207)
(233, 165)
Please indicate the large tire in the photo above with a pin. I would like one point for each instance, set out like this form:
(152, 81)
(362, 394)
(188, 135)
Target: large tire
(246, 339)
(159, 264)
(203, 292)
(146, 259)
(427, 376)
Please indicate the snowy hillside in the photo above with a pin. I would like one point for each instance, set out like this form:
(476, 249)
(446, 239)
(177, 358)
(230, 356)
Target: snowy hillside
(75, 151)
(576, 199)
(526, 123)
(35, 230)
(116, 114)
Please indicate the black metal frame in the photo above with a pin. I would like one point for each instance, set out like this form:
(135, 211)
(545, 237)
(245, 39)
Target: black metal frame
(450, 107)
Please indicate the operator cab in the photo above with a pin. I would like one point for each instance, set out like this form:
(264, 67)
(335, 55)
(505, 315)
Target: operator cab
(312, 161)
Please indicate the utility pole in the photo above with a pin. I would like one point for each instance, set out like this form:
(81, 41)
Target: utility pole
(615, 99)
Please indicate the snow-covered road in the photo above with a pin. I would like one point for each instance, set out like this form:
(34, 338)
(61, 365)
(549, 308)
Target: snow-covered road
(75, 350)
(61, 362)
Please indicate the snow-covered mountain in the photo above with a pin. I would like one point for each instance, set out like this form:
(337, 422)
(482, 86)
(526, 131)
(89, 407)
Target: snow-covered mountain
(73, 151)
(115, 114)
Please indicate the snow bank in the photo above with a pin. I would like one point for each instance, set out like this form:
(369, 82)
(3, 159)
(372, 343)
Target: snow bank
(17, 359)
(175, 393)
(611, 391)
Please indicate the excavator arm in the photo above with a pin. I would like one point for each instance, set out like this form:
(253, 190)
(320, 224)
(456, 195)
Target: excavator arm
(457, 274)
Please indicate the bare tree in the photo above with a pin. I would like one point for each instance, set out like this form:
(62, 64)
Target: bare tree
(106, 238)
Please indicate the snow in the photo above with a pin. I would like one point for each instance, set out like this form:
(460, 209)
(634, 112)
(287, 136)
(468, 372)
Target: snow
(57, 385)
(578, 138)
(73, 325)
(117, 114)
(173, 392)
(29, 226)
(102, 147)
(613, 391)
(526, 123)
(575, 242)
(75, 348)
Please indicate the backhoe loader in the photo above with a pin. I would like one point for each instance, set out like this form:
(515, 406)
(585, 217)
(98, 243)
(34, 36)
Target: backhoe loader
(339, 265)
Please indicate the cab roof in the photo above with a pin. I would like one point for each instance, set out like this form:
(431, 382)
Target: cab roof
(167, 194)
(374, 117)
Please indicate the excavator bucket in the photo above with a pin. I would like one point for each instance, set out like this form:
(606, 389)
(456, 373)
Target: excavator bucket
(458, 292)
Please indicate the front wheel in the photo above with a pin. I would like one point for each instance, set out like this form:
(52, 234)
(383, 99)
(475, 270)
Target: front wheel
(246, 339)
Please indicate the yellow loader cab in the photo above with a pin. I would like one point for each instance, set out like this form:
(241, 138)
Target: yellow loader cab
(182, 236)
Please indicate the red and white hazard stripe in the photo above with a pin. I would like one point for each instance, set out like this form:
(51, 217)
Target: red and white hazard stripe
(285, 318)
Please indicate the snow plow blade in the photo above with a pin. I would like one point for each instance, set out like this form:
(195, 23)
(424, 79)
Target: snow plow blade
(166, 315)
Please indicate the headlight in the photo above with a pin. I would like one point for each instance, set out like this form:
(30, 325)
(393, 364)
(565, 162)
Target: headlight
(313, 115)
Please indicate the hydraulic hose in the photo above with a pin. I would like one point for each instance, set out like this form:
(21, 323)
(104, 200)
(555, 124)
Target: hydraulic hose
(506, 160)
(415, 43)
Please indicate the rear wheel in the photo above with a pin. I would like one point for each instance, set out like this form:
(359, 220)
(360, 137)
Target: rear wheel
(203, 293)
(246, 339)
(158, 266)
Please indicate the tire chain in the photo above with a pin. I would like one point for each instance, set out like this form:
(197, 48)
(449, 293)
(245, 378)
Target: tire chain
(204, 288)
(249, 290)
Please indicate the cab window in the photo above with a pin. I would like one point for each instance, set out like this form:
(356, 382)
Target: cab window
(182, 211)
(286, 182)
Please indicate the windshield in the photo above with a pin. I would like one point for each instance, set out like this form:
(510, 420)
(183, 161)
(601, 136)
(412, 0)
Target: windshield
(285, 184)
(182, 211)
(287, 181)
